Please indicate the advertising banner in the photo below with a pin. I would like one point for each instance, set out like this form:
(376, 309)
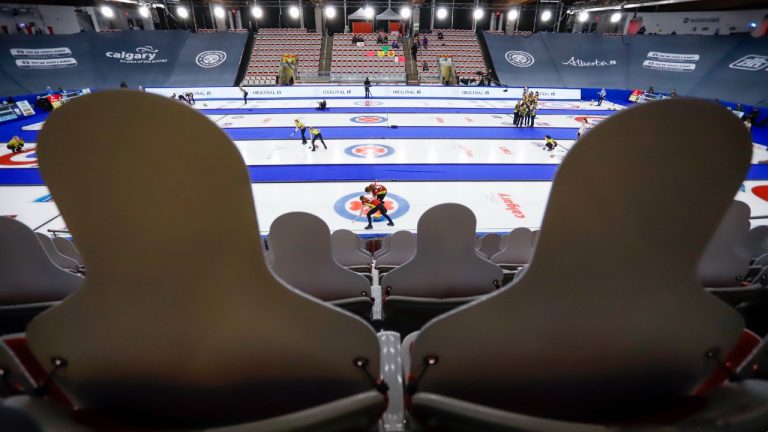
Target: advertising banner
(103, 60)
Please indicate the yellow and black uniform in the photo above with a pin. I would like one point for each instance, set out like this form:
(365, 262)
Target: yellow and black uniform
(16, 144)
(532, 114)
(300, 127)
(375, 205)
(550, 144)
(517, 114)
(523, 114)
(316, 135)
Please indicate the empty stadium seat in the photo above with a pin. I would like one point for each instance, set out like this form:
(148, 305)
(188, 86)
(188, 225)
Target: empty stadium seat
(68, 249)
(757, 241)
(445, 271)
(29, 281)
(207, 336)
(517, 250)
(587, 339)
(57, 257)
(348, 251)
(725, 263)
(301, 247)
(400, 247)
(490, 244)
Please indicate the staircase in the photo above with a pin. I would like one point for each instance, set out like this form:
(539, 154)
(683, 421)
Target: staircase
(411, 66)
(326, 56)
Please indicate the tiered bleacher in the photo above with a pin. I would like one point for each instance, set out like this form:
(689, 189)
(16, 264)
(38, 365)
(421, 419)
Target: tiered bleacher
(271, 43)
(462, 45)
(353, 62)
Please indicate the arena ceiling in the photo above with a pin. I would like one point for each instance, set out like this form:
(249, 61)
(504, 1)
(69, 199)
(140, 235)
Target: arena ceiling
(660, 5)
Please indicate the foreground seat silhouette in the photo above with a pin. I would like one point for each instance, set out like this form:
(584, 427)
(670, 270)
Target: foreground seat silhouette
(29, 281)
(68, 249)
(725, 263)
(400, 248)
(444, 273)
(308, 265)
(348, 251)
(587, 340)
(57, 257)
(207, 338)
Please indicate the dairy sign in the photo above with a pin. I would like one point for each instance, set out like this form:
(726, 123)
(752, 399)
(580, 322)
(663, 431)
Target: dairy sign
(43, 58)
(141, 55)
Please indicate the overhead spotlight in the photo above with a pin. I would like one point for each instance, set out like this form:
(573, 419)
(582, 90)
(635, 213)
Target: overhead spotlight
(405, 12)
(442, 13)
(546, 15)
(368, 12)
(257, 12)
(330, 12)
(218, 11)
(616, 17)
(752, 25)
(144, 11)
(478, 13)
(513, 14)
(293, 12)
(107, 12)
(583, 16)
(183, 13)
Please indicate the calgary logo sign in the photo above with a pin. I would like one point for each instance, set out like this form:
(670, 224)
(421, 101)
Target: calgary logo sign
(519, 58)
(142, 55)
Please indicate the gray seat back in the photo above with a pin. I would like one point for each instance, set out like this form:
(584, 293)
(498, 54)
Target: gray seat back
(60, 260)
(726, 259)
(68, 249)
(383, 248)
(518, 248)
(757, 241)
(586, 328)
(401, 247)
(27, 274)
(490, 244)
(208, 335)
(347, 249)
(446, 263)
(301, 246)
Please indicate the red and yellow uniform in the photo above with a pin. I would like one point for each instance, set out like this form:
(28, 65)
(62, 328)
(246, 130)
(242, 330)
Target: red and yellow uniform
(375, 205)
(378, 190)
(16, 144)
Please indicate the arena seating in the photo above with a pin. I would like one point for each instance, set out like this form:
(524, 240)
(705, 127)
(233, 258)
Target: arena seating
(271, 43)
(488, 245)
(350, 62)
(30, 282)
(462, 45)
(349, 252)
(57, 257)
(396, 250)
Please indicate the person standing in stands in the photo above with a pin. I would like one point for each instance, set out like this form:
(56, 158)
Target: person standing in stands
(245, 97)
(601, 96)
(377, 191)
(375, 205)
(16, 144)
(550, 144)
(367, 85)
(414, 50)
(425, 42)
(316, 135)
(300, 127)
